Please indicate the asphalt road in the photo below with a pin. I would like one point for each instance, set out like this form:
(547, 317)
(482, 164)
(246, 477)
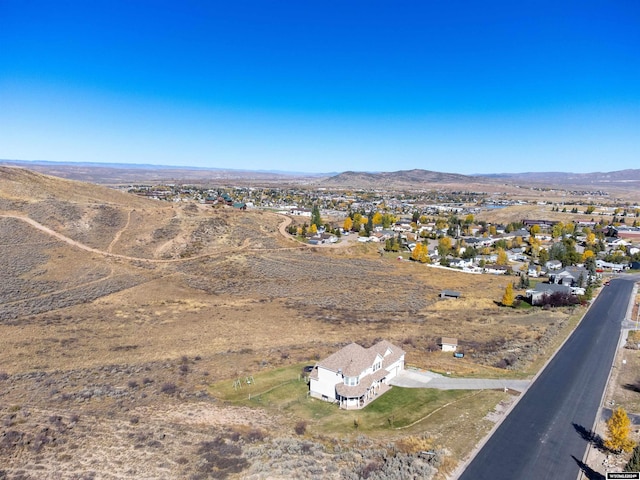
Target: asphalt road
(546, 434)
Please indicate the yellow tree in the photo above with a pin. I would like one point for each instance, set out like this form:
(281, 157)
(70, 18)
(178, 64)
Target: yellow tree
(587, 254)
(534, 230)
(415, 254)
(357, 222)
(444, 246)
(618, 431)
(557, 230)
(313, 229)
(569, 228)
(348, 223)
(591, 238)
(377, 218)
(508, 297)
(503, 259)
(420, 253)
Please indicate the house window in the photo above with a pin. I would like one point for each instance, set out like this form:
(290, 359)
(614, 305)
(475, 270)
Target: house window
(377, 366)
(351, 381)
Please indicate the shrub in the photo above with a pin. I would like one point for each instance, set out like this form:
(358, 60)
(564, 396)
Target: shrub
(301, 427)
(255, 435)
(169, 388)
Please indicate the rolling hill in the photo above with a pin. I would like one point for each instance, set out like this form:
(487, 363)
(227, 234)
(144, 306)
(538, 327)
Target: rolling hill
(399, 179)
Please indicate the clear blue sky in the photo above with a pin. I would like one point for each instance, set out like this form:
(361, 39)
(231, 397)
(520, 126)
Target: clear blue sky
(322, 86)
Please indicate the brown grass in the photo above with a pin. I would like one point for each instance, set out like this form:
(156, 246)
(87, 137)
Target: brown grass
(209, 295)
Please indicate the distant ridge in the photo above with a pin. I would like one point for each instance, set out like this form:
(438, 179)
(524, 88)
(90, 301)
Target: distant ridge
(400, 178)
(595, 178)
(124, 173)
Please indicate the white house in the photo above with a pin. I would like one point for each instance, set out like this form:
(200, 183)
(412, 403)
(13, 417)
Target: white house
(553, 265)
(354, 376)
(541, 290)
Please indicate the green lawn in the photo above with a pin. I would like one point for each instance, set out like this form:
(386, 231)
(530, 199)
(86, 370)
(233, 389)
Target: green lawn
(286, 391)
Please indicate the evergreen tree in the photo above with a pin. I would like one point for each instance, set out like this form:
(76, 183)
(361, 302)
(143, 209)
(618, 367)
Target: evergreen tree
(315, 216)
(634, 462)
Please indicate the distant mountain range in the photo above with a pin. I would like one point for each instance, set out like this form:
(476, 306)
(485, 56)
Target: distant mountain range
(113, 173)
(596, 178)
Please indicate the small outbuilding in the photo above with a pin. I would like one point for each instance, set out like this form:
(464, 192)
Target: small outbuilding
(449, 294)
(449, 344)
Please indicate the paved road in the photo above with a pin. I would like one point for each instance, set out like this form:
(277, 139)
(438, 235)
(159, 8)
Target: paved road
(422, 379)
(545, 436)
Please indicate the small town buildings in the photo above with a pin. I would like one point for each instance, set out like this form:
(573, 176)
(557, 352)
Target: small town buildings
(629, 233)
(354, 375)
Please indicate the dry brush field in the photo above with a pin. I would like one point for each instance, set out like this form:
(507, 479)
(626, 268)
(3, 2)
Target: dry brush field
(111, 335)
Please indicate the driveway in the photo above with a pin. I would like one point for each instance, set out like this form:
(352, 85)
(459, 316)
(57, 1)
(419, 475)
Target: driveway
(426, 379)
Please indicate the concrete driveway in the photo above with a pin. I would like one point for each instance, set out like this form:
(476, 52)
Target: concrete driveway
(426, 379)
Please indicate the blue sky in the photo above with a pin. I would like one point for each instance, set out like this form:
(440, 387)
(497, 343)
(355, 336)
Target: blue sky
(324, 86)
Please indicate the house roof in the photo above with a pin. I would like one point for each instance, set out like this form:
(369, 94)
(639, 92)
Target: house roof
(360, 389)
(353, 359)
(448, 341)
(551, 288)
(574, 272)
(450, 293)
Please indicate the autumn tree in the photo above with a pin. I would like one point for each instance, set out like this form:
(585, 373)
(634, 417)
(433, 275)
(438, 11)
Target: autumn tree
(444, 246)
(503, 259)
(618, 432)
(377, 218)
(357, 222)
(387, 220)
(420, 253)
(534, 230)
(586, 255)
(569, 228)
(508, 297)
(348, 224)
(557, 230)
(313, 229)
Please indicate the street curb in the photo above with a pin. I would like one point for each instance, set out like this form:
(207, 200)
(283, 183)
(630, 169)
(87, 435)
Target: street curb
(462, 467)
(623, 331)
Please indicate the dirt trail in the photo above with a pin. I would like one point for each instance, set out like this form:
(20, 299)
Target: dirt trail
(244, 247)
(116, 237)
